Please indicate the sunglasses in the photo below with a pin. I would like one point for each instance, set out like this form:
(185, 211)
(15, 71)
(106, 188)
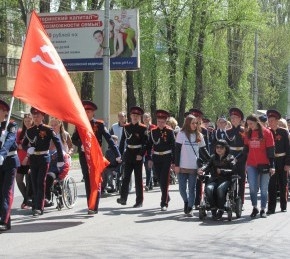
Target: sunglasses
(219, 147)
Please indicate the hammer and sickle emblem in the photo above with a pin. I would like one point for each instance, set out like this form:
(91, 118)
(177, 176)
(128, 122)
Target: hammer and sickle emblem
(46, 49)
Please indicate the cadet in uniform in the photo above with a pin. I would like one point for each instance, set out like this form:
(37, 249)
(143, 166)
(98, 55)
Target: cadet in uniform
(199, 114)
(134, 134)
(37, 141)
(8, 166)
(162, 140)
(100, 131)
(282, 163)
(235, 138)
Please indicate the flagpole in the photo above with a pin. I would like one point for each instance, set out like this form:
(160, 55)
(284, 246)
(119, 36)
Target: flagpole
(106, 66)
(8, 119)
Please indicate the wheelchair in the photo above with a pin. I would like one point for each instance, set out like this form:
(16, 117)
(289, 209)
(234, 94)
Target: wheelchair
(233, 201)
(65, 193)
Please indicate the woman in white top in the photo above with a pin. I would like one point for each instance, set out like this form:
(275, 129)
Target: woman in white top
(188, 146)
(64, 136)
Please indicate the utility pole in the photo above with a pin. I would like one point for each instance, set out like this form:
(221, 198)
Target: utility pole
(255, 92)
(106, 65)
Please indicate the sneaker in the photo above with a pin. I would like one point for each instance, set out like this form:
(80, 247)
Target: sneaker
(189, 212)
(146, 188)
(214, 213)
(185, 207)
(164, 208)
(263, 214)
(254, 212)
(196, 207)
(283, 210)
(48, 203)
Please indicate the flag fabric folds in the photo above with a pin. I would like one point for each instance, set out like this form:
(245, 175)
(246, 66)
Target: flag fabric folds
(43, 82)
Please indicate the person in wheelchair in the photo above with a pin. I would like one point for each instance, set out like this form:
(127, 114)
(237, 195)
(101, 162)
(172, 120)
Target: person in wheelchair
(111, 171)
(220, 167)
(55, 174)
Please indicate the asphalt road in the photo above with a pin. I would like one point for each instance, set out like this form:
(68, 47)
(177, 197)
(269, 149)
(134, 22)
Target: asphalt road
(124, 232)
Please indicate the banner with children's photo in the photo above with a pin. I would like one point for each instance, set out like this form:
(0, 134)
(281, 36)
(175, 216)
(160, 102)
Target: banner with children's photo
(79, 37)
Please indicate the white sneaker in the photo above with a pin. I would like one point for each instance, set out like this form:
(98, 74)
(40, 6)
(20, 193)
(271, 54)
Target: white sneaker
(164, 208)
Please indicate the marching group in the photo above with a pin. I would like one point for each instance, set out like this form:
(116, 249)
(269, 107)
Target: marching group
(256, 149)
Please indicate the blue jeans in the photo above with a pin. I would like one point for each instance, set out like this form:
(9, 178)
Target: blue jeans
(187, 184)
(254, 179)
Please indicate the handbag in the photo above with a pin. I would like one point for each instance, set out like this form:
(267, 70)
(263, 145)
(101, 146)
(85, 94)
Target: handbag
(263, 168)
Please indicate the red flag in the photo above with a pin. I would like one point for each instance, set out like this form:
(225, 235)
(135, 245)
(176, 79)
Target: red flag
(43, 82)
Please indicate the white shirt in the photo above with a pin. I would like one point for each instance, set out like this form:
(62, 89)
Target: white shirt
(187, 156)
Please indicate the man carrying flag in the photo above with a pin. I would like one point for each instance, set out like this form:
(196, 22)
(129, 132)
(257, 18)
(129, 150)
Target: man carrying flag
(100, 131)
(50, 90)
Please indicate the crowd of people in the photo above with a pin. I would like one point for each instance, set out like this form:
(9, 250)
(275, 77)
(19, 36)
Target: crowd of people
(256, 148)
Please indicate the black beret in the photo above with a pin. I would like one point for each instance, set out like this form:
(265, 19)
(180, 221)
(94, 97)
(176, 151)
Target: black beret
(274, 113)
(136, 110)
(237, 112)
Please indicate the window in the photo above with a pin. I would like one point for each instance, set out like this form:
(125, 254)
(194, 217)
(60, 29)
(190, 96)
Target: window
(8, 67)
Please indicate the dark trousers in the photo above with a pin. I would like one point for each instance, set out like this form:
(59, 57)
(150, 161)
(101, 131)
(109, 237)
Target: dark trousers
(198, 191)
(7, 180)
(162, 169)
(132, 164)
(279, 179)
(38, 167)
(149, 174)
(216, 193)
(241, 171)
(86, 176)
(49, 183)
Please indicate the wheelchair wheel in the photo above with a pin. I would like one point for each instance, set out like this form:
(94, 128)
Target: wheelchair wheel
(202, 213)
(238, 207)
(230, 215)
(69, 192)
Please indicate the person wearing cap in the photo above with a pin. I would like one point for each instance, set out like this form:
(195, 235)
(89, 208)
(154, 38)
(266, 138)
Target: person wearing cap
(100, 131)
(37, 141)
(160, 152)
(134, 134)
(198, 114)
(235, 138)
(282, 163)
(9, 162)
(150, 171)
(259, 149)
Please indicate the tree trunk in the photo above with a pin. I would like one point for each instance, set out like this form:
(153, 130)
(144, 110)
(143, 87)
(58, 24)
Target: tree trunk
(183, 89)
(44, 6)
(87, 86)
(199, 64)
(131, 99)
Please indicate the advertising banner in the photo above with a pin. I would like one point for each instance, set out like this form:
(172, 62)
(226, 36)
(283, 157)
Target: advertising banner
(78, 38)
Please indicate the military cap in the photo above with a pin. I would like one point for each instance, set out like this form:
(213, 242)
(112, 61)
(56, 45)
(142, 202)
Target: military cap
(33, 110)
(263, 118)
(196, 112)
(4, 106)
(89, 105)
(237, 112)
(162, 114)
(273, 113)
(136, 110)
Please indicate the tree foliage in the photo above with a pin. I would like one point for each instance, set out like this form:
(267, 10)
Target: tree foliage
(200, 53)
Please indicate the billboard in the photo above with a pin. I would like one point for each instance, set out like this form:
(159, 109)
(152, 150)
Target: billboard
(78, 38)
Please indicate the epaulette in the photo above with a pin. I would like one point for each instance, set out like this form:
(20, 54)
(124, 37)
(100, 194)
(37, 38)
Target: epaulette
(127, 124)
(100, 121)
(11, 121)
(45, 125)
(142, 125)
